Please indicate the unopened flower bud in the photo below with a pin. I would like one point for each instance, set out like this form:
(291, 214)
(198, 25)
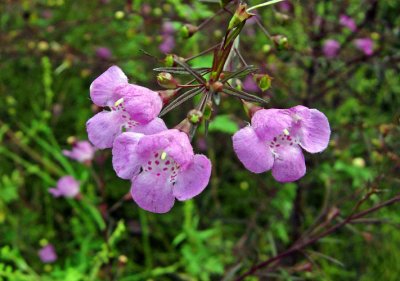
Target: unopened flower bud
(208, 110)
(194, 116)
(359, 162)
(281, 17)
(188, 30)
(368, 237)
(263, 81)
(167, 95)
(166, 80)
(281, 42)
(169, 61)
(71, 140)
(119, 15)
(303, 267)
(217, 86)
(333, 213)
(122, 260)
(43, 46)
(250, 108)
(185, 126)
(240, 16)
(266, 48)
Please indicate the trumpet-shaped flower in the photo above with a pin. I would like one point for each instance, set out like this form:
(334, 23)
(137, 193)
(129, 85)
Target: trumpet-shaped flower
(47, 254)
(275, 140)
(331, 48)
(366, 45)
(348, 22)
(132, 108)
(162, 167)
(82, 151)
(67, 187)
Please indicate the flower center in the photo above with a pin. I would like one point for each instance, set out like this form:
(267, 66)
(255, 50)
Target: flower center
(161, 165)
(281, 141)
(119, 107)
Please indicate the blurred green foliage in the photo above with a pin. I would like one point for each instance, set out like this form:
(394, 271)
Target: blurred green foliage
(47, 61)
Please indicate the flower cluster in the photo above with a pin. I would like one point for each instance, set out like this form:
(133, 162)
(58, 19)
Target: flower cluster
(131, 108)
(159, 162)
(275, 140)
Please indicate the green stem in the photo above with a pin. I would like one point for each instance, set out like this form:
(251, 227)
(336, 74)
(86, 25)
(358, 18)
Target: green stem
(263, 5)
(146, 241)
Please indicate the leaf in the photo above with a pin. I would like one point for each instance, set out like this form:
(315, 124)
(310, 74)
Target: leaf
(224, 124)
(181, 70)
(243, 95)
(180, 99)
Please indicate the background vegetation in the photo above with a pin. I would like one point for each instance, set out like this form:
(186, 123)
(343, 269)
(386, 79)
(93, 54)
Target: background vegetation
(49, 54)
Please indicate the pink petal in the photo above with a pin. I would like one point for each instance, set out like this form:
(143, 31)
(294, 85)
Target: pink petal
(252, 151)
(155, 126)
(55, 192)
(268, 123)
(125, 160)
(289, 164)
(104, 127)
(152, 193)
(68, 187)
(102, 89)
(313, 130)
(193, 179)
(173, 142)
(142, 104)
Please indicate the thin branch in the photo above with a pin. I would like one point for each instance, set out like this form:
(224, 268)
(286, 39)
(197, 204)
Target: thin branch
(329, 231)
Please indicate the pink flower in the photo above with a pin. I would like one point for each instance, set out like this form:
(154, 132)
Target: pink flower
(331, 48)
(285, 6)
(366, 45)
(168, 39)
(348, 22)
(132, 108)
(275, 138)
(162, 167)
(250, 85)
(67, 187)
(47, 254)
(103, 53)
(167, 44)
(82, 151)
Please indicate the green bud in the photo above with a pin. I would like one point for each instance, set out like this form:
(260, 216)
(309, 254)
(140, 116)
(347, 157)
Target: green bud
(281, 17)
(263, 81)
(281, 42)
(194, 116)
(166, 80)
(119, 15)
(188, 30)
(208, 111)
(266, 48)
(169, 61)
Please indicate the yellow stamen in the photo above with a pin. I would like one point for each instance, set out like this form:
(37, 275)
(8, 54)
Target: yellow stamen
(163, 155)
(286, 132)
(118, 102)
